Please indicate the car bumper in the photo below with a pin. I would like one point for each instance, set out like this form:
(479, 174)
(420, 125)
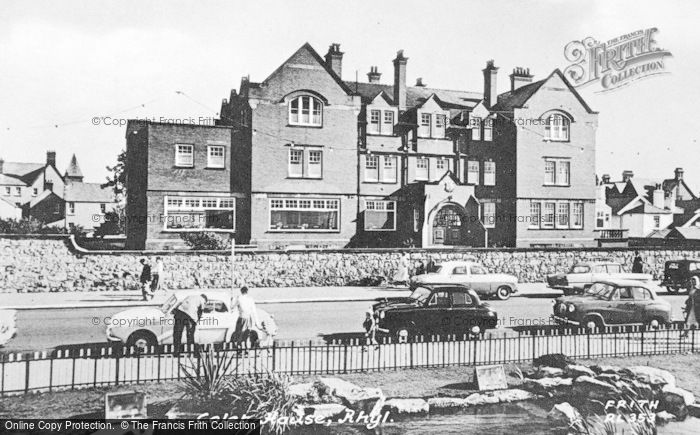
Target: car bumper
(564, 321)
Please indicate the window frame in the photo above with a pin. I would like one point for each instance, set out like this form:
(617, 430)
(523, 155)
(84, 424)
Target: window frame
(368, 170)
(313, 206)
(391, 169)
(71, 208)
(535, 223)
(471, 163)
(290, 164)
(488, 128)
(562, 219)
(427, 168)
(374, 127)
(308, 173)
(489, 176)
(557, 131)
(211, 164)
(178, 161)
(311, 120)
(197, 204)
(484, 214)
(383, 209)
(476, 127)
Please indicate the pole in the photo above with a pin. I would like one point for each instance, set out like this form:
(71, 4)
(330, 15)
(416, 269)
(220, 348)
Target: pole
(233, 262)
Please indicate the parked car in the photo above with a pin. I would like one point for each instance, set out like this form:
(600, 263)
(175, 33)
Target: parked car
(614, 302)
(471, 274)
(583, 275)
(8, 328)
(435, 309)
(678, 274)
(143, 327)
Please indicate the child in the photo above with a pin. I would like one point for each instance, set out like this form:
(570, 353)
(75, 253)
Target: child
(370, 325)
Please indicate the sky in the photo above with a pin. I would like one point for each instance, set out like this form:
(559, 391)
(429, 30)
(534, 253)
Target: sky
(64, 63)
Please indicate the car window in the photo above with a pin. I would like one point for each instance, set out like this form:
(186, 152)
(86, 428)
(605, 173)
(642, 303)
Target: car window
(614, 268)
(437, 269)
(672, 266)
(214, 306)
(459, 270)
(599, 269)
(625, 293)
(478, 270)
(640, 293)
(461, 299)
(420, 294)
(693, 267)
(580, 269)
(440, 299)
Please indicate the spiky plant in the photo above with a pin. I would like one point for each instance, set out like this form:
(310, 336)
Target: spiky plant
(205, 377)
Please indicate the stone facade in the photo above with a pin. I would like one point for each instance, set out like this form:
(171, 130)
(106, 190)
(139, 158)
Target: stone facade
(54, 265)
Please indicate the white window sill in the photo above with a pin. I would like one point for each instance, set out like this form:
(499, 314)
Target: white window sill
(198, 230)
(379, 230)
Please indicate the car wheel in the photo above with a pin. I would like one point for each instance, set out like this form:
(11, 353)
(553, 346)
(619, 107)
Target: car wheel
(141, 341)
(503, 292)
(594, 323)
(654, 324)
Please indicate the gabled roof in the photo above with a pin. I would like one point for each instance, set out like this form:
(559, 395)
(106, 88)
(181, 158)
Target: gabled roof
(9, 202)
(687, 233)
(88, 192)
(11, 180)
(73, 170)
(27, 172)
(669, 184)
(417, 95)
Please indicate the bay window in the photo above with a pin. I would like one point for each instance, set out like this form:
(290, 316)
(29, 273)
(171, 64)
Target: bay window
(556, 214)
(304, 214)
(199, 213)
(380, 215)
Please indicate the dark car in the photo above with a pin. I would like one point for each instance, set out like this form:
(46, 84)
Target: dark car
(614, 302)
(678, 274)
(435, 309)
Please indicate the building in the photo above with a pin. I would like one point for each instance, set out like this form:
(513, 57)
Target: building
(39, 191)
(323, 162)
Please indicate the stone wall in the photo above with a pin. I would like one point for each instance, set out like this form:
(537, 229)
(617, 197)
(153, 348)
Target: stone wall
(46, 264)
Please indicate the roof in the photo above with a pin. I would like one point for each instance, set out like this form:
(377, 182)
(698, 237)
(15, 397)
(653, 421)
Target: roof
(9, 202)
(628, 283)
(27, 172)
(73, 170)
(617, 204)
(88, 192)
(11, 180)
(417, 95)
(688, 233)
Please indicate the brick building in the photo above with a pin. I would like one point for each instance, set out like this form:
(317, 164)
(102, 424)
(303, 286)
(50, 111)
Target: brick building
(324, 162)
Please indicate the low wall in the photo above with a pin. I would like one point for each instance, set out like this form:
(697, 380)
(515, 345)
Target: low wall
(42, 264)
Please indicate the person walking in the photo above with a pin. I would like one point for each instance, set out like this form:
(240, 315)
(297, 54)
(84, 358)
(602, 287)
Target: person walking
(401, 276)
(637, 263)
(247, 317)
(692, 307)
(157, 275)
(145, 280)
(370, 325)
(186, 315)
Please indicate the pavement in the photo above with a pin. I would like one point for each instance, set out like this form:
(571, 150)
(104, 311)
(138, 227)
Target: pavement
(266, 295)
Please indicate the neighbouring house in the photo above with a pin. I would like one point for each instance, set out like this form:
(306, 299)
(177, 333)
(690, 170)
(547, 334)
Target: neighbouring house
(38, 190)
(305, 158)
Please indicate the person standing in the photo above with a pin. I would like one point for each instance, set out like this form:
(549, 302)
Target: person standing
(370, 325)
(637, 263)
(401, 275)
(247, 316)
(186, 315)
(145, 279)
(692, 307)
(157, 275)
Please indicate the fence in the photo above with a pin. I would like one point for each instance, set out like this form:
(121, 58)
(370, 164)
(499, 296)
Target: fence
(106, 366)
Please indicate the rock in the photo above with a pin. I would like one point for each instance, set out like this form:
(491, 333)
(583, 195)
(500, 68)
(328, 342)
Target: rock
(558, 360)
(636, 388)
(574, 371)
(478, 399)
(175, 413)
(608, 377)
(547, 372)
(513, 395)
(651, 375)
(563, 414)
(326, 411)
(406, 406)
(664, 417)
(300, 390)
(606, 369)
(590, 388)
(548, 386)
(446, 402)
(369, 400)
(694, 410)
(676, 400)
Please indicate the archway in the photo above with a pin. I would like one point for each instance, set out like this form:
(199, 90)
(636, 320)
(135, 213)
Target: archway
(449, 226)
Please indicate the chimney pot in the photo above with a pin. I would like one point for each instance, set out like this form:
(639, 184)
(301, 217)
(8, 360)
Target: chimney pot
(490, 88)
(679, 173)
(334, 59)
(606, 178)
(419, 82)
(520, 77)
(51, 158)
(400, 79)
(627, 175)
(374, 75)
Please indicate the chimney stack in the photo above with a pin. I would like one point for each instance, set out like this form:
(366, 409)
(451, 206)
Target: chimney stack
(419, 82)
(658, 198)
(627, 175)
(51, 158)
(490, 89)
(374, 75)
(606, 178)
(334, 59)
(520, 77)
(400, 79)
(679, 174)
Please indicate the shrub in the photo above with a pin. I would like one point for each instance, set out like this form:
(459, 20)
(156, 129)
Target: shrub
(211, 383)
(206, 241)
(29, 226)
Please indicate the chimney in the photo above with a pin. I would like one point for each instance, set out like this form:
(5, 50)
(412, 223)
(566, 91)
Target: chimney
(679, 174)
(419, 82)
(490, 90)
(606, 178)
(51, 158)
(658, 198)
(520, 77)
(400, 79)
(374, 75)
(2, 165)
(601, 193)
(627, 175)
(334, 59)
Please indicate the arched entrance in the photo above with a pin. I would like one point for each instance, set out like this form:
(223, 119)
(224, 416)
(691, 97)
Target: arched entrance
(449, 225)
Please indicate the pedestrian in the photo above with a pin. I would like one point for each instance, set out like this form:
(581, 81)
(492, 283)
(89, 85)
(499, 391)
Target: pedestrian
(692, 307)
(401, 276)
(145, 280)
(637, 263)
(186, 315)
(430, 268)
(247, 317)
(157, 275)
(370, 325)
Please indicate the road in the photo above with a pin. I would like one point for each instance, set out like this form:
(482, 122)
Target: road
(44, 329)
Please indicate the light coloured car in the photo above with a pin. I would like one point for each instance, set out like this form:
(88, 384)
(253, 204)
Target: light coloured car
(472, 275)
(143, 327)
(583, 275)
(8, 328)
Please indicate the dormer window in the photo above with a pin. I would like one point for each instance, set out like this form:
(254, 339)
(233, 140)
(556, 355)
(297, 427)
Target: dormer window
(557, 128)
(306, 110)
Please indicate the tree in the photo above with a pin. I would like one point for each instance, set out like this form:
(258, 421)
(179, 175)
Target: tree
(117, 181)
